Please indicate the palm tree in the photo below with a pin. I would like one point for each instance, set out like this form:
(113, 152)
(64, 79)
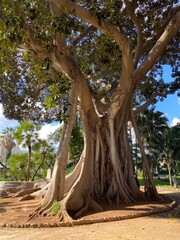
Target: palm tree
(7, 140)
(6, 144)
(152, 125)
(171, 150)
(27, 135)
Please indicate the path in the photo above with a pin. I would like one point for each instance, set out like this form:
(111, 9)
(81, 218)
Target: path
(154, 227)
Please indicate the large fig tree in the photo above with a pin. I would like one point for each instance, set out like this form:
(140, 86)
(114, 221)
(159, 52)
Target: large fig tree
(111, 54)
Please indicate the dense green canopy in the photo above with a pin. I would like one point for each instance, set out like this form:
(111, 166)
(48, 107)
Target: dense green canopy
(28, 31)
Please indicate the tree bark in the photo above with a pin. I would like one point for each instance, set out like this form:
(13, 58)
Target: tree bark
(56, 186)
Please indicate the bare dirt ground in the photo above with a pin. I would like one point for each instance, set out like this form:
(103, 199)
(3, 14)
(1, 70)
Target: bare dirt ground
(164, 226)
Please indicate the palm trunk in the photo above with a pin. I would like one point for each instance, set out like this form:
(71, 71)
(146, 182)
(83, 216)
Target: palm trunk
(150, 188)
(43, 157)
(29, 161)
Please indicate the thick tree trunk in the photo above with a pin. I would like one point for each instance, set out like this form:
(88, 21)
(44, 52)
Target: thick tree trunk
(106, 174)
(105, 171)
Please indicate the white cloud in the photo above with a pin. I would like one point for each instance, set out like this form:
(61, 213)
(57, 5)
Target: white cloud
(179, 100)
(175, 121)
(4, 122)
(47, 129)
(43, 133)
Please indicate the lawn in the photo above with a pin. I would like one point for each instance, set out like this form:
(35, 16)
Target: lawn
(158, 182)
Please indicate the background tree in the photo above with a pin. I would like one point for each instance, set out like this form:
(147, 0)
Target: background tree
(7, 140)
(7, 143)
(46, 151)
(27, 135)
(17, 164)
(109, 53)
(171, 154)
(175, 132)
(152, 125)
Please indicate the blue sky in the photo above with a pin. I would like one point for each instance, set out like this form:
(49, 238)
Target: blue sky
(170, 107)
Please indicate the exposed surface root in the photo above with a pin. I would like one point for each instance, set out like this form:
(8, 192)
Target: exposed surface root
(69, 215)
(109, 214)
(90, 205)
(64, 216)
(27, 197)
(26, 192)
(34, 214)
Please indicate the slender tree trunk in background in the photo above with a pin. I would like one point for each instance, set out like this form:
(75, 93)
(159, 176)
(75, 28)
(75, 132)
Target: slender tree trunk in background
(150, 189)
(43, 157)
(29, 162)
(152, 167)
(169, 171)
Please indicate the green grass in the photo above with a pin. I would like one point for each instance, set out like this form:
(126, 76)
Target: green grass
(174, 215)
(158, 182)
(55, 208)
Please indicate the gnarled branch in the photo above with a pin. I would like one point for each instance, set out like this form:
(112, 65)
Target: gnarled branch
(143, 107)
(88, 17)
(88, 30)
(157, 49)
(162, 28)
(135, 19)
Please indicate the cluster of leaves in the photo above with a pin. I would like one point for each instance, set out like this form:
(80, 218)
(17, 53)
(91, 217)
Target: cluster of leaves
(32, 91)
(17, 165)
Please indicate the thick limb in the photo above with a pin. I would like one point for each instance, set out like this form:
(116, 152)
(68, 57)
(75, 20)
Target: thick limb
(72, 177)
(77, 200)
(55, 191)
